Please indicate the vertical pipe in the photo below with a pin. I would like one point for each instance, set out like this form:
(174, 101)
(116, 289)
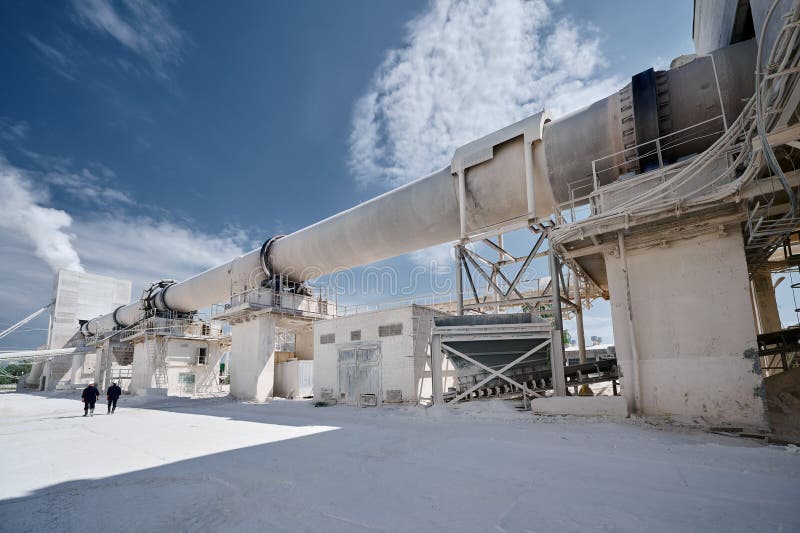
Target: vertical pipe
(579, 321)
(529, 181)
(459, 283)
(631, 334)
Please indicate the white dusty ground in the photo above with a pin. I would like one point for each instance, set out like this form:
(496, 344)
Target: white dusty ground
(219, 465)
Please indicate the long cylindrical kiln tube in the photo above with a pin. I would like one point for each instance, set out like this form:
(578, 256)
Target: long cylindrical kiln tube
(426, 212)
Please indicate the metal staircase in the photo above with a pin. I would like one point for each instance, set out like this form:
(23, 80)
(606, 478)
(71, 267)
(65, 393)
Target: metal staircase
(156, 346)
(764, 234)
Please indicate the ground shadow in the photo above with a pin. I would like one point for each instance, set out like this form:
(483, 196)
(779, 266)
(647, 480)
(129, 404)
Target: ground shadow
(396, 474)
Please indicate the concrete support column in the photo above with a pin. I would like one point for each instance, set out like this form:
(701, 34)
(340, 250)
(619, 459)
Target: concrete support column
(102, 367)
(766, 306)
(557, 363)
(687, 302)
(76, 369)
(304, 343)
(252, 365)
(143, 367)
(436, 369)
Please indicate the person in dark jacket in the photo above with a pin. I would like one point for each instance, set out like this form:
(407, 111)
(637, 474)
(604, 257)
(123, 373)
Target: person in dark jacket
(90, 395)
(113, 393)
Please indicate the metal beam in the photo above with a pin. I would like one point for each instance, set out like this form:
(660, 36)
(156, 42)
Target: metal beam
(525, 265)
(499, 249)
(495, 373)
(471, 282)
(468, 255)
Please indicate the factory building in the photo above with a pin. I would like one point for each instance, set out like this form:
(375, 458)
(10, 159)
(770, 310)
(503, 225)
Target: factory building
(78, 296)
(377, 357)
(675, 198)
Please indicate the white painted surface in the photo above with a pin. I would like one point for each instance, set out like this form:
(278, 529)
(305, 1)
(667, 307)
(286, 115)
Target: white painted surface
(582, 406)
(181, 358)
(766, 305)
(82, 296)
(405, 358)
(294, 379)
(252, 365)
(692, 366)
(218, 465)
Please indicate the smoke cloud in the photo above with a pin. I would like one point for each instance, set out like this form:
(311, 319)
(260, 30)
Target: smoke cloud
(21, 212)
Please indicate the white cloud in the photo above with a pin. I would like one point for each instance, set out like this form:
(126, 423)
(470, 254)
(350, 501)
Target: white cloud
(36, 240)
(144, 27)
(22, 212)
(58, 60)
(144, 249)
(469, 67)
(13, 130)
(89, 187)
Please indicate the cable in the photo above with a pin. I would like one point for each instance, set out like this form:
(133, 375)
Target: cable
(737, 139)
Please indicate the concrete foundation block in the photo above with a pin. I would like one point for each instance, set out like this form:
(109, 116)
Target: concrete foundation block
(582, 406)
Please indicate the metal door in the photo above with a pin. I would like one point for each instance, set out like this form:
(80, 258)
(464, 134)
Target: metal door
(359, 372)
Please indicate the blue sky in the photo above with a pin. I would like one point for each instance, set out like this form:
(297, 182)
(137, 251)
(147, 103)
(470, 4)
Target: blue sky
(148, 140)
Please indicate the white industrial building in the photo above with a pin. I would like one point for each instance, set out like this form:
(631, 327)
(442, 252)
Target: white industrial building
(376, 357)
(78, 297)
(675, 198)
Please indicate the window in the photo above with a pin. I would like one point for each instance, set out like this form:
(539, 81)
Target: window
(327, 338)
(202, 356)
(355, 335)
(367, 355)
(390, 330)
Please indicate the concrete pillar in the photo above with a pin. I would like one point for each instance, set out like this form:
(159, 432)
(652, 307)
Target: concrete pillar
(142, 367)
(253, 358)
(766, 306)
(436, 369)
(690, 301)
(304, 343)
(557, 363)
(619, 320)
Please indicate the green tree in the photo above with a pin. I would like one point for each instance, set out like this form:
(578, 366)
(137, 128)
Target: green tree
(13, 369)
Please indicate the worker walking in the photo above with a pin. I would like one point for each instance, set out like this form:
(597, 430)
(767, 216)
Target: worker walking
(113, 393)
(90, 395)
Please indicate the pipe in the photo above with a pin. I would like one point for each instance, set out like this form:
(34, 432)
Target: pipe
(579, 322)
(25, 320)
(494, 184)
(40, 355)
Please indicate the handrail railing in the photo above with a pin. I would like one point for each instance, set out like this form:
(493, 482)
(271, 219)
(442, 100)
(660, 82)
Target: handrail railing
(658, 151)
